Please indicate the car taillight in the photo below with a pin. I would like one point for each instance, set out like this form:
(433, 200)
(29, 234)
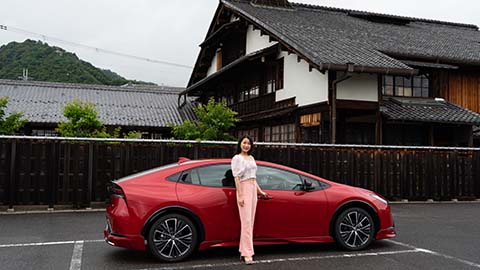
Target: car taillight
(115, 190)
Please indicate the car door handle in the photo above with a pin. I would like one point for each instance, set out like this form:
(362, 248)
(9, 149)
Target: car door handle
(268, 197)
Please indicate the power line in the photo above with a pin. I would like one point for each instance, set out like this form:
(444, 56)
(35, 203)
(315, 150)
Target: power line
(99, 50)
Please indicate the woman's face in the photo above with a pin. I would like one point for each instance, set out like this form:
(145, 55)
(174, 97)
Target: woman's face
(245, 145)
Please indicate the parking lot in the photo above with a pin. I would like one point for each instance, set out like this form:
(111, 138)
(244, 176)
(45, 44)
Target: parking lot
(430, 236)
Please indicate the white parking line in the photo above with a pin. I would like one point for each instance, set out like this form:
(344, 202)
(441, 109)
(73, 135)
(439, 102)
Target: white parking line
(76, 262)
(47, 243)
(436, 253)
(292, 259)
(78, 250)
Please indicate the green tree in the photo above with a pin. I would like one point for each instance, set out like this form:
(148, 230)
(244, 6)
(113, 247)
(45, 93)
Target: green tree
(9, 124)
(214, 121)
(82, 121)
(53, 64)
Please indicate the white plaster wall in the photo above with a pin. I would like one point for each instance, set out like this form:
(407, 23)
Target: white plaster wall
(307, 87)
(213, 66)
(255, 41)
(359, 87)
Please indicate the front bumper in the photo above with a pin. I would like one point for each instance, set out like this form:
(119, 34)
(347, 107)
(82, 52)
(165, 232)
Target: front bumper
(386, 233)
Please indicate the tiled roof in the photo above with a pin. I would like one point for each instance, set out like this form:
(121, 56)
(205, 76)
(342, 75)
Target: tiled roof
(427, 110)
(338, 36)
(476, 131)
(130, 105)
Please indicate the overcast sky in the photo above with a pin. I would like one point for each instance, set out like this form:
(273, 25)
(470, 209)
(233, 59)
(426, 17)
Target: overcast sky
(166, 30)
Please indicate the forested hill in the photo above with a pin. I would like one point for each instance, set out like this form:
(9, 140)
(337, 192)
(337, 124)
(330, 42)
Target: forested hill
(53, 64)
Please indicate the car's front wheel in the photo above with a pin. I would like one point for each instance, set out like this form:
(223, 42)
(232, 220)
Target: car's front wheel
(172, 238)
(354, 229)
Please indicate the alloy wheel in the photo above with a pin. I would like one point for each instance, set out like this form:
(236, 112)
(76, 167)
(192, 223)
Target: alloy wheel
(172, 238)
(354, 229)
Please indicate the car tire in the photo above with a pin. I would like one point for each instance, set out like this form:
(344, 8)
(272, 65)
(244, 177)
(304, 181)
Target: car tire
(354, 229)
(172, 238)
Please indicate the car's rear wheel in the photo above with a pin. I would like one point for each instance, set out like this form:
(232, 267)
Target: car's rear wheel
(172, 238)
(354, 229)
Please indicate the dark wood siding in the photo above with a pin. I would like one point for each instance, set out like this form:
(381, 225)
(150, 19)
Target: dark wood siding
(461, 88)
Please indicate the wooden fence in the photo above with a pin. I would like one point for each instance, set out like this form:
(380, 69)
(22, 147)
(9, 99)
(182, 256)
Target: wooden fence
(60, 171)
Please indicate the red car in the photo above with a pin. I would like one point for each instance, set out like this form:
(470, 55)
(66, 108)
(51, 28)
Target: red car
(176, 209)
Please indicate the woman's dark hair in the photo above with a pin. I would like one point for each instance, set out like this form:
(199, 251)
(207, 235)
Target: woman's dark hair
(239, 149)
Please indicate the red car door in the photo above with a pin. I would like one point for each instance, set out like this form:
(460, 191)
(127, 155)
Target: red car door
(292, 212)
(209, 191)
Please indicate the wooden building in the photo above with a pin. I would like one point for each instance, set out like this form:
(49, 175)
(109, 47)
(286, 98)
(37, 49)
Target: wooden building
(145, 108)
(303, 73)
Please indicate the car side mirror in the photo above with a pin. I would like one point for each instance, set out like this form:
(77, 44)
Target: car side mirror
(307, 185)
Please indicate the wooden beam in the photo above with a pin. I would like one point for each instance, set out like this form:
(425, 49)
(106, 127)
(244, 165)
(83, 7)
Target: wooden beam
(357, 105)
(333, 106)
(378, 121)
(431, 139)
(470, 136)
(379, 129)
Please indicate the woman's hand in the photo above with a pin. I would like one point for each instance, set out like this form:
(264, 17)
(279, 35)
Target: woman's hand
(241, 202)
(264, 195)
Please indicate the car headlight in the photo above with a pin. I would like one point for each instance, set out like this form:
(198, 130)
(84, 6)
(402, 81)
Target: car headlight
(379, 198)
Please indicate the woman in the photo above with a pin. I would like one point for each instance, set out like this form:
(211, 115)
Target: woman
(244, 171)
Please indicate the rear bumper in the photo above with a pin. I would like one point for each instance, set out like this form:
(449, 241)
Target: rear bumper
(126, 241)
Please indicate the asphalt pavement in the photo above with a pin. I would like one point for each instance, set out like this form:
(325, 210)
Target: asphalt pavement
(430, 236)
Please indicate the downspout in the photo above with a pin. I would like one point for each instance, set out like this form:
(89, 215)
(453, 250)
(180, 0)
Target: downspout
(333, 114)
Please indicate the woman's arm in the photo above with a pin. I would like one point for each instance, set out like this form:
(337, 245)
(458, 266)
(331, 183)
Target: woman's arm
(240, 200)
(259, 190)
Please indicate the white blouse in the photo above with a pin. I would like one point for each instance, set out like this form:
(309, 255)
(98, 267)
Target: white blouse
(244, 169)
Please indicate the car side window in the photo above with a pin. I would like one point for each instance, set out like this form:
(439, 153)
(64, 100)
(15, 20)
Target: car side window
(277, 179)
(216, 176)
(189, 177)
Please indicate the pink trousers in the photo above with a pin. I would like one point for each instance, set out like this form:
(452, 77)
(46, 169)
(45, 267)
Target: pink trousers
(247, 216)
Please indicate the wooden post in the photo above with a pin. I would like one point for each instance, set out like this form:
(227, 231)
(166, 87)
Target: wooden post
(13, 156)
(431, 140)
(333, 100)
(52, 175)
(470, 137)
(333, 116)
(90, 174)
(378, 122)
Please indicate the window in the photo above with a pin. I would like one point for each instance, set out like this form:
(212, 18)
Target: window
(249, 93)
(279, 74)
(219, 59)
(308, 120)
(189, 177)
(280, 133)
(252, 133)
(276, 179)
(213, 176)
(44, 132)
(416, 86)
(174, 177)
(274, 76)
(315, 183)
